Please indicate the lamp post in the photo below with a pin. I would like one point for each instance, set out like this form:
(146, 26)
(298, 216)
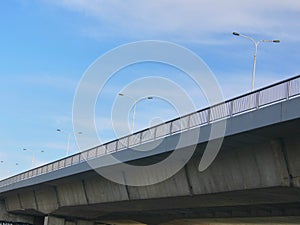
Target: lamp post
(135, 101)
(68, 137)
(2, 174)
(33, 155)
(256, 44)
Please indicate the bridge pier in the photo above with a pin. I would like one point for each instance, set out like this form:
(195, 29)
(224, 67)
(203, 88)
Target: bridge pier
(51, 220)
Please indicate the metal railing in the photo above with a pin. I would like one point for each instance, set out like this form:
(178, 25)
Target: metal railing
(280, 91)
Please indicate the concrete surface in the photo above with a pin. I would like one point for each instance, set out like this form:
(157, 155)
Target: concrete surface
(46, 199)
(5, 216)
(50, 220)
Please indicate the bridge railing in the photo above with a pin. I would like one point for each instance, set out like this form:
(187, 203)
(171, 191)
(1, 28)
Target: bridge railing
(280, 91)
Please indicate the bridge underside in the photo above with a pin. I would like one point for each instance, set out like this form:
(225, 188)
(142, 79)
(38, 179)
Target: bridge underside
(268, 203)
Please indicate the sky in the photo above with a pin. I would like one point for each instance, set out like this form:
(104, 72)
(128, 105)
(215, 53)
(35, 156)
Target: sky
(47, 45)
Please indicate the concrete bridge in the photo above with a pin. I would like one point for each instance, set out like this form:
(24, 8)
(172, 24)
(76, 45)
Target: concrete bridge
(254, 178)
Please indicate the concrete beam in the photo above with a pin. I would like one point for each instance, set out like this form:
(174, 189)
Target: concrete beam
(174, 186)
(292, 149)
(13, 202)
(71, 194)
(28, 200)
(98, 189)
(256, 166)
(47, 200)
(42, 200)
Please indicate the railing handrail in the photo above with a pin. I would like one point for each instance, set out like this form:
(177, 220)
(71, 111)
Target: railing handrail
(208, 109)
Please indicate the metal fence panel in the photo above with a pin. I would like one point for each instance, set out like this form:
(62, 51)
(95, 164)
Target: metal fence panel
(34, 172)
(244, 103)
(111, 147)
(185, 122)
(148, 135)
(83, 156)
(176, 126)
(294, 87)
(101, 150)
(199, 118)
(134, 139)
(273, 94)
(92, 153)
(122, 143)
(75, 159)
(39, 171)
(45, 169)
(220, 111)
(163, 129)
(55, 165)
(61, 163)
(50, 167)
(68, 161)
(180, 124)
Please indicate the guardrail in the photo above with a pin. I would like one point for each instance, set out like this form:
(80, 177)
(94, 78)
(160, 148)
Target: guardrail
(280, 91)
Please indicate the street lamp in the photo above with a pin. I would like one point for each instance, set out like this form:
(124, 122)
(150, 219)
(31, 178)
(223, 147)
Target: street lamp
(256, 43)
(69, 138)
(33, 155)
(135, 101)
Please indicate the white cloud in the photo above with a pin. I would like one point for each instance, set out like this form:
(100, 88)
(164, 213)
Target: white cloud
(190, 18)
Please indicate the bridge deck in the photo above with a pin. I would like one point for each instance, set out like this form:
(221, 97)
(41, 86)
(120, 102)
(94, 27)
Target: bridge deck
(238, 112)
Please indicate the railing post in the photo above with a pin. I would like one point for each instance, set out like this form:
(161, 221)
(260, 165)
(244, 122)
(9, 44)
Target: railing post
(117, 144)
(141, 137)
(105, 150)
(208, 115)
(287, 90)
(257, 100)
(231, 108)
(155, 131)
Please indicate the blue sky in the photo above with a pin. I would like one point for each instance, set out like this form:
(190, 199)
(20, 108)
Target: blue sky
(47, 45)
